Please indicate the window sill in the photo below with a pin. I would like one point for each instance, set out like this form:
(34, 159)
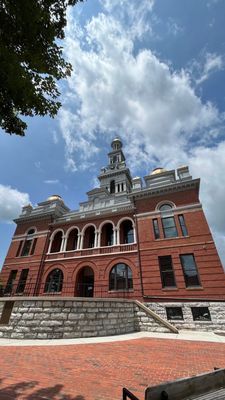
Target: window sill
(121, 291)
(170, 288)
(175, 320)
(172, 238)
(194, 288)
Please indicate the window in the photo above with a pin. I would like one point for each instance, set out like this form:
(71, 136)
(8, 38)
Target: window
(72, 240)
(112, 187)
(57, 242)
(54, 281)
(120, 278)
(201, 314)
(29, 244)
(10, 282)
(174, 313)
(126, 232)
(165, 207)
(19, 248)
(89, 237)
(156, 229)
(169, 227)
(107, 235)
(22, 281)
(190, 270)
(183, 225)
(166, 270)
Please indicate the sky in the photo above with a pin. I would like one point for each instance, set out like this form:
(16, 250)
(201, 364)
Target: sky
(150, 71)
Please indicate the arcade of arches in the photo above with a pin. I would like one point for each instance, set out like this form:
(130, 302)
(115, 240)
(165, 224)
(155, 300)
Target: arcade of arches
(107, 235)
(120, 278)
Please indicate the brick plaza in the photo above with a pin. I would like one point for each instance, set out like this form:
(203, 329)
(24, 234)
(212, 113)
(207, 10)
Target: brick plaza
(100, 371)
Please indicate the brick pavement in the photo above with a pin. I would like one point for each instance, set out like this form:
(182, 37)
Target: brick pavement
(99, 371)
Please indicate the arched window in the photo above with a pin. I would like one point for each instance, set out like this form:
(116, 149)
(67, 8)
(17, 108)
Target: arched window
(28, 245)
(126, 232)
(112, 186)
(56, 243)
(120, 277)
(165, 207)
(54, 281)
(72, 240)
(168, 221)
(107, 235)
(89, 237)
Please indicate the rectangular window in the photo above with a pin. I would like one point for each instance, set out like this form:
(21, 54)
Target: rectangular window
(26, 248)
(33, 246)
(156, 228)
(169, 227)
(19, 248)
(166, 270)
(174, 313)
(183, 225)
(201, 314)
(22, 281)
(10, 283)
(190, 270)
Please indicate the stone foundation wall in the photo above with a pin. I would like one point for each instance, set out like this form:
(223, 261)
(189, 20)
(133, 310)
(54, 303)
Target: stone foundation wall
(216, 309)
(45, 318)
(48, 319)
(145, 323)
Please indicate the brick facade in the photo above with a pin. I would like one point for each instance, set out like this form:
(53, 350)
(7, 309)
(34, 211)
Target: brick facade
(129, 210)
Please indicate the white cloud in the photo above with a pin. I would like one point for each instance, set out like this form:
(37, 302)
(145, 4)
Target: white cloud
(11, 202)
(51, 181)
(117, 88)
(212, 62)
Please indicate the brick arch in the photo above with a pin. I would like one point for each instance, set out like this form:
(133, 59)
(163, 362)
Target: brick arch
(54, 266)
(55, 232)
(123, 260)
(70, 229)
(84, 283)
(86, 226)
(80, 265)
(161, 203)
(107, 221)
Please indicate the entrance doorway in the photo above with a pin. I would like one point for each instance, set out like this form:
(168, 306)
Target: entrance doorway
(85, 283)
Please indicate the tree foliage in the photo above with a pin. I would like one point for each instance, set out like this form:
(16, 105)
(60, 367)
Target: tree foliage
(31, 60)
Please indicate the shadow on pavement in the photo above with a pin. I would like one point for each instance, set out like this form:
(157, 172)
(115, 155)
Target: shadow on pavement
(18, 391)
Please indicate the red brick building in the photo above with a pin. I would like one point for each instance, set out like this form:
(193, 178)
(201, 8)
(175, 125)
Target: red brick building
(149, 242)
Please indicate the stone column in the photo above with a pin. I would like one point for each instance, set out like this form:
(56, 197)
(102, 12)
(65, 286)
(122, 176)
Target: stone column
(134, 230)
(63, 244)
(96, 238)
(114, 236)
(81, 241)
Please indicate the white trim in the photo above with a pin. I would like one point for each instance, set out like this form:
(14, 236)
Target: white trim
(177, 210)
(93, 255)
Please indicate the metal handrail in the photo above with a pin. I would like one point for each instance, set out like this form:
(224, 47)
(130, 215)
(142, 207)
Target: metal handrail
(128, 395)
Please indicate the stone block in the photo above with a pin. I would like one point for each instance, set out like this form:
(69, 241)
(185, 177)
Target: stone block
(51, 323)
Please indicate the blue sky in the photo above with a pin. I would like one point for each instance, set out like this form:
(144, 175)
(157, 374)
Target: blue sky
(150, 71)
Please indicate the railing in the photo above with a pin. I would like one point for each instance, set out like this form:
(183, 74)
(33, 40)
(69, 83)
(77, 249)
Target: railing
(61, 289)
(128, 395)
(94, 250)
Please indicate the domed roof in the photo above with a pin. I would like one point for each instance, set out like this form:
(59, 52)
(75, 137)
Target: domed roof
(54, 197)
(158, 170)
(116, 143)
